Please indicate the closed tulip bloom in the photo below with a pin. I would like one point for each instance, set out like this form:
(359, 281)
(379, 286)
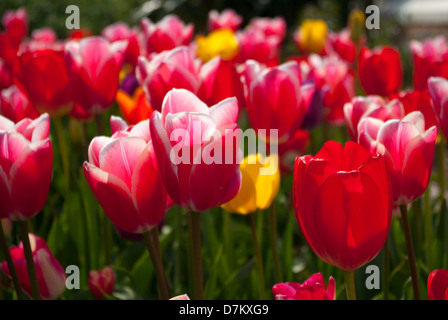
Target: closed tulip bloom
(185, 134)
(380, 71)
(16, 22)
(123, 175)
(26, 159)
(343, 203)
(269, 26)
(41, 74)
(312, 289)
(220, 80)
(93, 65)
(276, 98)
(50, 274)
(342, 44)
(419, 101)
(438, 89)
(120, 31)
(311, 36)
(176, 68)
(370, 106)
(408, 149)
(219, 43)
(15, 106)
(227, 19)
(430, 58)
(438, 285)
(134, 108)
(167, 34)
(255, 45)
(102, 282)
(260, 183)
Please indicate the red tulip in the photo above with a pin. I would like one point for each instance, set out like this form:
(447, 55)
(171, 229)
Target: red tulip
(121, 31)
(46, 35)
(419, 101)
(50, 274)
(15, 106)
(5, 76)
(276, 98)
(16, 23)
(227, 19)
(438, 89)
(220, 80)
(41, 74)
(122, 173)
(255, 45)
(101, 282)
(312, 289)
(380, 71)
(343, 203)
(167, 34)
(407, 148)
(134, 108)
(93, 65)
(334, 79)
(438, 285)
(167, 70)
(370, 106)
(430, 59)
(26, 161)
(194, 178)
(342, 44)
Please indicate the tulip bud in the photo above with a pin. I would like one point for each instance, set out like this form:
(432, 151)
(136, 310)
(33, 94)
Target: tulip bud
(438, 285)
(312, 289)
(438, 89)
(101, 282)
(311, 36)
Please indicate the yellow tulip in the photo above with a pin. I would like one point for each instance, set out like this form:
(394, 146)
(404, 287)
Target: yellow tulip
(259, 185)
(220, 42)
(312, 35)
(356, 24)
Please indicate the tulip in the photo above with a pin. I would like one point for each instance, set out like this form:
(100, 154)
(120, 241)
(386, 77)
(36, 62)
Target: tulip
(312, 289)
(260, 183)
(176, 68)
(276, 98)
(407, 148)
(311, 36)
(46, 35)
(343, 204)
(343, 45)
(370, 106)
(115, 172)
(50, 274)
(220, 80)
(16, 23)
(167, 34)
(219, 43)
(26, 158)
(181, 297)
(101, 282)
(5, 75)
(438, 89)
(269, 26)
(15, 106)
(227, 19)
(78, 34)
(255, 45)
(41, 74)
(419, 101)
(133, 108)
(93, 66)
(430, 58)
(187, 183)
(438, 285)
(335, 81)
(120, 31)
(380, 71)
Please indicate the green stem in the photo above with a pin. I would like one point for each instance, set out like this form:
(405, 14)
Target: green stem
(349, 277)
(410, 250)
(65, 160)
(442, 166)
(107, 253)
(154, 252)
(179, 248)
(99, 124)
(273, 226)
(35, 293)
(228, 239)
(386, 277)
(428, 227)
(258, 256)
(10, 263)
(195, 221)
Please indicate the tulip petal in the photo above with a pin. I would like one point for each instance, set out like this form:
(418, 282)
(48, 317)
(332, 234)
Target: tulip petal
(181, 100)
